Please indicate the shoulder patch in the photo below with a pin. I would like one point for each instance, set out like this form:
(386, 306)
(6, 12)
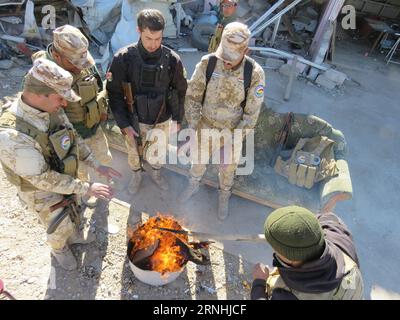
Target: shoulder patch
(65, 142)
(259, 91)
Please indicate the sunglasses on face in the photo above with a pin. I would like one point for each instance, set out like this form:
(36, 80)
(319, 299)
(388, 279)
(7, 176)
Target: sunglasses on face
(228, 5)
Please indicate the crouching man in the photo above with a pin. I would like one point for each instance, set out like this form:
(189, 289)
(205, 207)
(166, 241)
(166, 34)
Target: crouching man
(314, 258)
(39, 153)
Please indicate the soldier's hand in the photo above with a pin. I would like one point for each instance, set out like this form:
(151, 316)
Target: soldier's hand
(260, 271)
(130, 132)
(100, 191)
(108, 172)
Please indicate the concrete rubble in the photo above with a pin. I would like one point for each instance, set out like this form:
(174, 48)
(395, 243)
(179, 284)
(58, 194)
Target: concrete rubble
(106, 22)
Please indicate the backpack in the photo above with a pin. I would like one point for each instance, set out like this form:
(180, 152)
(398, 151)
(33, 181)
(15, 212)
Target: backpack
(248, 72)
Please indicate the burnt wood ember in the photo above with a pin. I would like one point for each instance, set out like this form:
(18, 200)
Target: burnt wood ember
(142, 254)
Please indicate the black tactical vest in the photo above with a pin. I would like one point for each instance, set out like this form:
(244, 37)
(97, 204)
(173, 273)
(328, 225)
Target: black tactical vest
(151, 86)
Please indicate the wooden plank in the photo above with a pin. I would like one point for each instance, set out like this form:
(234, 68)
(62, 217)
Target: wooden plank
(210, 182)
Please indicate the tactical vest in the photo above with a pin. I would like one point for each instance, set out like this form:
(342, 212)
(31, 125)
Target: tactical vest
(351, 287)
(87, 113)
(152, 86)
(311, 161)
(59, 147)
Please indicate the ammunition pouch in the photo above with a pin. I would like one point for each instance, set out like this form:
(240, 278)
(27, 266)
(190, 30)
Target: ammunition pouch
(311, 161)
(91, 109)
(92, 114)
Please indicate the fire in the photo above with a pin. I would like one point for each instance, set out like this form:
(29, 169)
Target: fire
(167, 257)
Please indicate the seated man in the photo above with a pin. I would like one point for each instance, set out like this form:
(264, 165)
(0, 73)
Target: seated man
(39, 153)
(314, 258)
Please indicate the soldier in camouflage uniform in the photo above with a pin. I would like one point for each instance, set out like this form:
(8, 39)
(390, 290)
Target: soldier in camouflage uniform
(70, 51)
(223, 103)
(39, 151)
(227, 15)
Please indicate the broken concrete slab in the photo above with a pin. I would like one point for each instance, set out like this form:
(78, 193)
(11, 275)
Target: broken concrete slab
(6, 64)
(323, 81)
(335, 76)
(274, 64)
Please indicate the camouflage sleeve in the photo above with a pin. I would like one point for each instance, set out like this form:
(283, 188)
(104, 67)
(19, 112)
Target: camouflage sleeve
(255, 98)
(23, 155)
(86, 155)
(194, 93)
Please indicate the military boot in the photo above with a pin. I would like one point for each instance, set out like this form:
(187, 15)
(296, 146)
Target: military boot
(158, 179)
(191, 189)
(82, 237)
(136, 179)
(65, 258)
(223, 204)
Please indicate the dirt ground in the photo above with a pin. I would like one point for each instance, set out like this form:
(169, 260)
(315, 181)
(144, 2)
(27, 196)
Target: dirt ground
(364, 111)
(29, 272)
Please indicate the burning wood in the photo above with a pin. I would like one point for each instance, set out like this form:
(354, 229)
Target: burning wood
(150, 248)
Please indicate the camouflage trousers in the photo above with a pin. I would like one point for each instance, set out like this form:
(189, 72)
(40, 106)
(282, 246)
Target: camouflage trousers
(99, 146)
(150, 157)
(40, 202)
(226, 172)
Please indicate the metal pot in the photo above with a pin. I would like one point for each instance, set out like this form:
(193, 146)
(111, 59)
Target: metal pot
(154, 278)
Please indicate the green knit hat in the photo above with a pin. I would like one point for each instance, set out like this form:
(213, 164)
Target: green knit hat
(295, 233)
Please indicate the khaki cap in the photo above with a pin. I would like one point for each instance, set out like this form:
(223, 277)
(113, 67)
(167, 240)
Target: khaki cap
(73, 45)
(45, 76)
(235, 39)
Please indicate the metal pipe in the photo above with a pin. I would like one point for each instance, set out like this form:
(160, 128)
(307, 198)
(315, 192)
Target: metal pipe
(178, 8)
(277, 23)
(266, 14)
(289, 56)
(277, 16)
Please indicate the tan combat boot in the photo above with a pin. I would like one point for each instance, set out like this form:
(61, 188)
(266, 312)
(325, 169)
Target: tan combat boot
(81, 237)
(191, 189)
(223, 204)
(65, 258)
(134, 184)
(158, 179)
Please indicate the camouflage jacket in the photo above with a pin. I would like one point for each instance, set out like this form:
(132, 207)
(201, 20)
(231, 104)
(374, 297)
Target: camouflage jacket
(225, 93)
(23, 155)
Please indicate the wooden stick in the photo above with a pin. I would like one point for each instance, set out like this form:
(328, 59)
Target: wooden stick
(210, 182)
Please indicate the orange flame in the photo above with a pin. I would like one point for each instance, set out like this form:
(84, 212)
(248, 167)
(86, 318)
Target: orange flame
(167, 257)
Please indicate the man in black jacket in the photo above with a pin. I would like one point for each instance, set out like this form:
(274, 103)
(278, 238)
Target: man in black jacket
(156, 77)
(314, 258)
